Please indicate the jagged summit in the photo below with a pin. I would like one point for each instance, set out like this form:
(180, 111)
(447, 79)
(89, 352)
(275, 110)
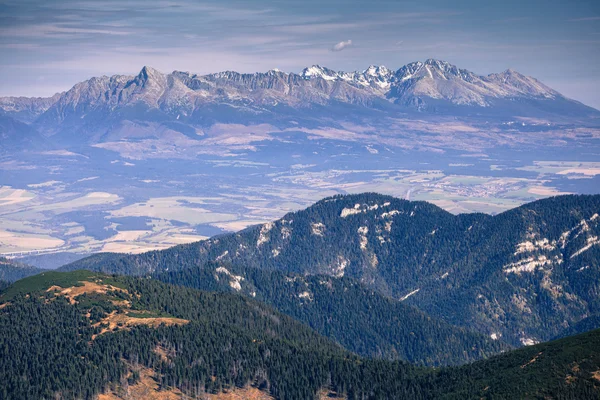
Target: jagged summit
(320, 72)
(149, 73)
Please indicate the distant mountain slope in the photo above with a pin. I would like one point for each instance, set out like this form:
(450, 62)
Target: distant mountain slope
(360, 319)
(27, 109)
(51, 260)
(587, 324)
(18, 136)
(524, 275)
(193, 341)
(110, 334)
(11, 270)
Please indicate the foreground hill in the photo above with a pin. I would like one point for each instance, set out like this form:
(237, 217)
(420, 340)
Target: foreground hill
(524, 275)
(191, 340)
(360, 319)
(114, 334)
(562, 369)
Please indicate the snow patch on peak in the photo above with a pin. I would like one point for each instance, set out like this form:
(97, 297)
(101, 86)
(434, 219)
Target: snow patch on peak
(375, 70)
(316, 71)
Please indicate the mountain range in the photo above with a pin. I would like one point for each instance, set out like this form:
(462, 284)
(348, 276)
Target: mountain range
(522, 276)
(100, 107)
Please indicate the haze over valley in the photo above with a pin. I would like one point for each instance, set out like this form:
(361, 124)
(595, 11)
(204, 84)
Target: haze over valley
(134, 163)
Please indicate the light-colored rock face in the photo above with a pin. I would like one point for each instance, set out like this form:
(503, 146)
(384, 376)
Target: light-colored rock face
(317, 228)
(362, 232)
(528, 341)
(339, 267)
(234, 280)
(182, 92)
(537, 253)
(264, 230)
(585, 234)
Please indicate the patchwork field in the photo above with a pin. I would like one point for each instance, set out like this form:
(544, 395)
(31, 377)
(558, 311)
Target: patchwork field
(106, 221)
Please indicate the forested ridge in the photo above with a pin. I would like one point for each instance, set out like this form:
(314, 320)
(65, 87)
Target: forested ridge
(53, 344)
(11, 270)
(360, 319)
(524, 275)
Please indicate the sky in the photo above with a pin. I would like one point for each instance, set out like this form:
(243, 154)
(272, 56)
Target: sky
(47, 46)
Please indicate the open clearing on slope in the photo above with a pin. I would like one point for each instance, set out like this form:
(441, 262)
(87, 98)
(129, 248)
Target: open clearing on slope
(123, 318)
(147, 388)
(116, 320)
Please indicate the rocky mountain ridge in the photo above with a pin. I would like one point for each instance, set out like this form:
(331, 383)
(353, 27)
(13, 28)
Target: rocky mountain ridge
(417, 86)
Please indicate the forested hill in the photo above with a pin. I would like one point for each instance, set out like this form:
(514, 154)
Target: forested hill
(105, 328)
(523, 275)
(360, 319)
(112, 334)
(11, 270)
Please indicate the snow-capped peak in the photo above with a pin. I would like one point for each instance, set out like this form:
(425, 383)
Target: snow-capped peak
(319, 72)
(375, 70)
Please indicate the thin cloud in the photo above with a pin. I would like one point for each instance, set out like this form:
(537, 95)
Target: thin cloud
(341, 45)
(585, 19)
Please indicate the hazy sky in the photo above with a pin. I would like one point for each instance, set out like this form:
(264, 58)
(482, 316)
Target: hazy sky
(48, 45)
